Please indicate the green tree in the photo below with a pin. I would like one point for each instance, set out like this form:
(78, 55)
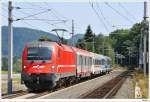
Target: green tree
(119, 36)
(81, 44)
(127, 41)
(88, 37)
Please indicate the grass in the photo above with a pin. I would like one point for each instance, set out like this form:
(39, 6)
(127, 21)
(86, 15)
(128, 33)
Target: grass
(5, 72)
(139, 77)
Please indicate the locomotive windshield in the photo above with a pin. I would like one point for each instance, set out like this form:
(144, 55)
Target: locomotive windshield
(39, 53)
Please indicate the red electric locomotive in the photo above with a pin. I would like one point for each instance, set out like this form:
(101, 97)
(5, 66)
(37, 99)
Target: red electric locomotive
(47, 64)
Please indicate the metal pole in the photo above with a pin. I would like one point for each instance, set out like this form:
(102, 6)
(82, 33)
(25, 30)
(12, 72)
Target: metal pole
(145, 36)
(10, 48)
(72, 32)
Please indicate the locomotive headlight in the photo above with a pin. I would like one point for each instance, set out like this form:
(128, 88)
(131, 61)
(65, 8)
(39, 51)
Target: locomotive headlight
(41, 66)
(53, 66)
(24, 66)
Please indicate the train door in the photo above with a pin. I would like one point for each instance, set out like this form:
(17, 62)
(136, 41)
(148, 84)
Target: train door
(82, 62)
(79, 64)
(93, 65)
(90, 64)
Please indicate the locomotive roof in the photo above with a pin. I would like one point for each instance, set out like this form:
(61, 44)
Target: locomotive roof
(66, 48)
(40, 43)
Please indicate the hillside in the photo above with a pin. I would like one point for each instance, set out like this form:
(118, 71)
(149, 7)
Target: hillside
(22, 36)
(75, 38)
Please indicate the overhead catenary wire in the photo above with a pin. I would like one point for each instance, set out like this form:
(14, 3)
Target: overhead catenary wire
(126, 11)
(104, 18)
(36, 18)
(51, 12)
(14, 17)
(126, 18)
(53, 24)
(99, 17)
(34, 14)
(44, 20)
(54, 12)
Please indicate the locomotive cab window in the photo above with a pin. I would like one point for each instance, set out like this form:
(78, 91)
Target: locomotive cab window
(39, 53)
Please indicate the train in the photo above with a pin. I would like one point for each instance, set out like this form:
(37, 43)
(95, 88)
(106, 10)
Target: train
(46, 64)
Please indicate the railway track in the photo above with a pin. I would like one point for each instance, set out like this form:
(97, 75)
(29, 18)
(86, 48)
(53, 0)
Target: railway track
(107, 90)
(32, 95)
(15, 94)
(102, 90)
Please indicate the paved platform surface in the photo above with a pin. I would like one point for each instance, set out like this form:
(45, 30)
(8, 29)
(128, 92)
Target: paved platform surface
(75, 91)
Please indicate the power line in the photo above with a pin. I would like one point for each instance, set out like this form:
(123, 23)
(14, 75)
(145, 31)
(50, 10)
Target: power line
(34, 14)
(91, 4)
(37, 18)
(54, 12)
(22, 21)
(64, 21)
(127, 12)
(51, 12)
(6, 11)
(118, 12)
(103, 14)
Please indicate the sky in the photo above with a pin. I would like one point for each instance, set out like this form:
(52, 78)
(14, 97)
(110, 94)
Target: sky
(102, 18)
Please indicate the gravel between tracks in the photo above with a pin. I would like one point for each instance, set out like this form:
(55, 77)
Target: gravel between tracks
(126, 91)
(75, 91)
